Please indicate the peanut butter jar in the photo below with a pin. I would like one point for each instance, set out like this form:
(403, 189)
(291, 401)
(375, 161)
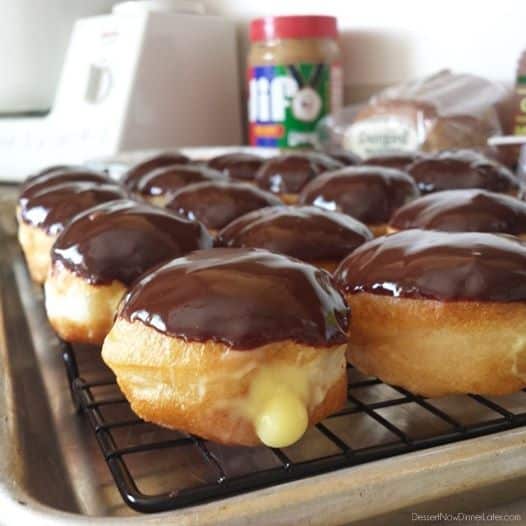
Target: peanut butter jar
(294, 78)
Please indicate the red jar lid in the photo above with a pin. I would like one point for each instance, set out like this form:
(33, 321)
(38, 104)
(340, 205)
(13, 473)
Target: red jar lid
(309, 26)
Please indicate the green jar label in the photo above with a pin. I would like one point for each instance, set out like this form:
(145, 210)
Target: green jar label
(287, 102)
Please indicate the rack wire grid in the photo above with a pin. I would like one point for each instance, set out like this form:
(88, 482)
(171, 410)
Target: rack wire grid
(177, 469)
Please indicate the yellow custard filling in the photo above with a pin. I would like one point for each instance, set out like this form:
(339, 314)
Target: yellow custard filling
(183, 385)
(280, 395)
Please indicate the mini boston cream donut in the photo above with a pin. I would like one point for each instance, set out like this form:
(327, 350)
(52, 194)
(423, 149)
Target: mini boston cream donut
(396, 160)
(159, 185)
(238, 346)
(308, 233)
(368, 193)
(343, 156)
(57, 175)
(285, 175)
(461, 169)
(100, 253)
(130, 178)
(52, 169)
(43, 214)
(463, 211)
(239, 166)
(215, 204)
(439, 313)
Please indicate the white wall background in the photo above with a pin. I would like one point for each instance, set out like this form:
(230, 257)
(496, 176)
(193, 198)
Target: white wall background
(385, 41)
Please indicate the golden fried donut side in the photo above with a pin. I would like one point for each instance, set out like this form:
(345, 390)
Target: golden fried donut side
(36, 245)
(437, 348)
(78, 311)
(208, 389)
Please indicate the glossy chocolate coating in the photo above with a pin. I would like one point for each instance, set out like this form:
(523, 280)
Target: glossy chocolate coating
(344, 157)
(134, 174)
(463, 211)
(369, 193)
(438, 265)
(244, 298)
(169, 179)
(48, 170)
(55, 206)
(55, 176)
(461, 169)
(241, 166)
(290, 172)
(123, 239)
(216, 204)
(396, 160)
(305, 232)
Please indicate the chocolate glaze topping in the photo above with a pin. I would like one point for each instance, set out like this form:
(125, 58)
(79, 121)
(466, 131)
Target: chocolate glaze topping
(460, 169)
(55, 176)
(216, 204)
(242, 166)
(369, 193)
(135, 173)
(50, 169)
(123, 239)
(438, 265)
(463, 211)
(55, 206)
(290, 172)
(307, 233)
(241, 297)
(169, 179)
(397, 160)
(344, 157)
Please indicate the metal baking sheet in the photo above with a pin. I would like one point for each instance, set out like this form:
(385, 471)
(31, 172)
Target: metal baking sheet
(51, 471)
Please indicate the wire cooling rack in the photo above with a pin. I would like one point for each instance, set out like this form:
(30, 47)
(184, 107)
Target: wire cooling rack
(156, 469)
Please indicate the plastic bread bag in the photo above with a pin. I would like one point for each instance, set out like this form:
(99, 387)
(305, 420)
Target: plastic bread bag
(445, 110)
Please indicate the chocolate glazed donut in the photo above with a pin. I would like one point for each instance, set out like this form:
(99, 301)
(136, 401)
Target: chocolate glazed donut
(396, 160)
(52, 169)
(242, 346)
(45, 209)
(101, 253)
(130, 178)
(286, 174)
(343, 156)
(159, 185)
(216, 204)
(368, 193)
(53, 207)
(462, 169)
(439, 313)
(239, 166)
(305, 232)
(463, 211)
(55, 176)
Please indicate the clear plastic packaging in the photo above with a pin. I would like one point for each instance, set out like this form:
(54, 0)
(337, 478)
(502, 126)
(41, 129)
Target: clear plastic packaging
(445, 110)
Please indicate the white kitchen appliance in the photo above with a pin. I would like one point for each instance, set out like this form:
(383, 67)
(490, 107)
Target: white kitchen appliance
(154, 73)
(34, 36)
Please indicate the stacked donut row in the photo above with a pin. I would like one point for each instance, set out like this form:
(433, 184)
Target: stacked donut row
(222, 291)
